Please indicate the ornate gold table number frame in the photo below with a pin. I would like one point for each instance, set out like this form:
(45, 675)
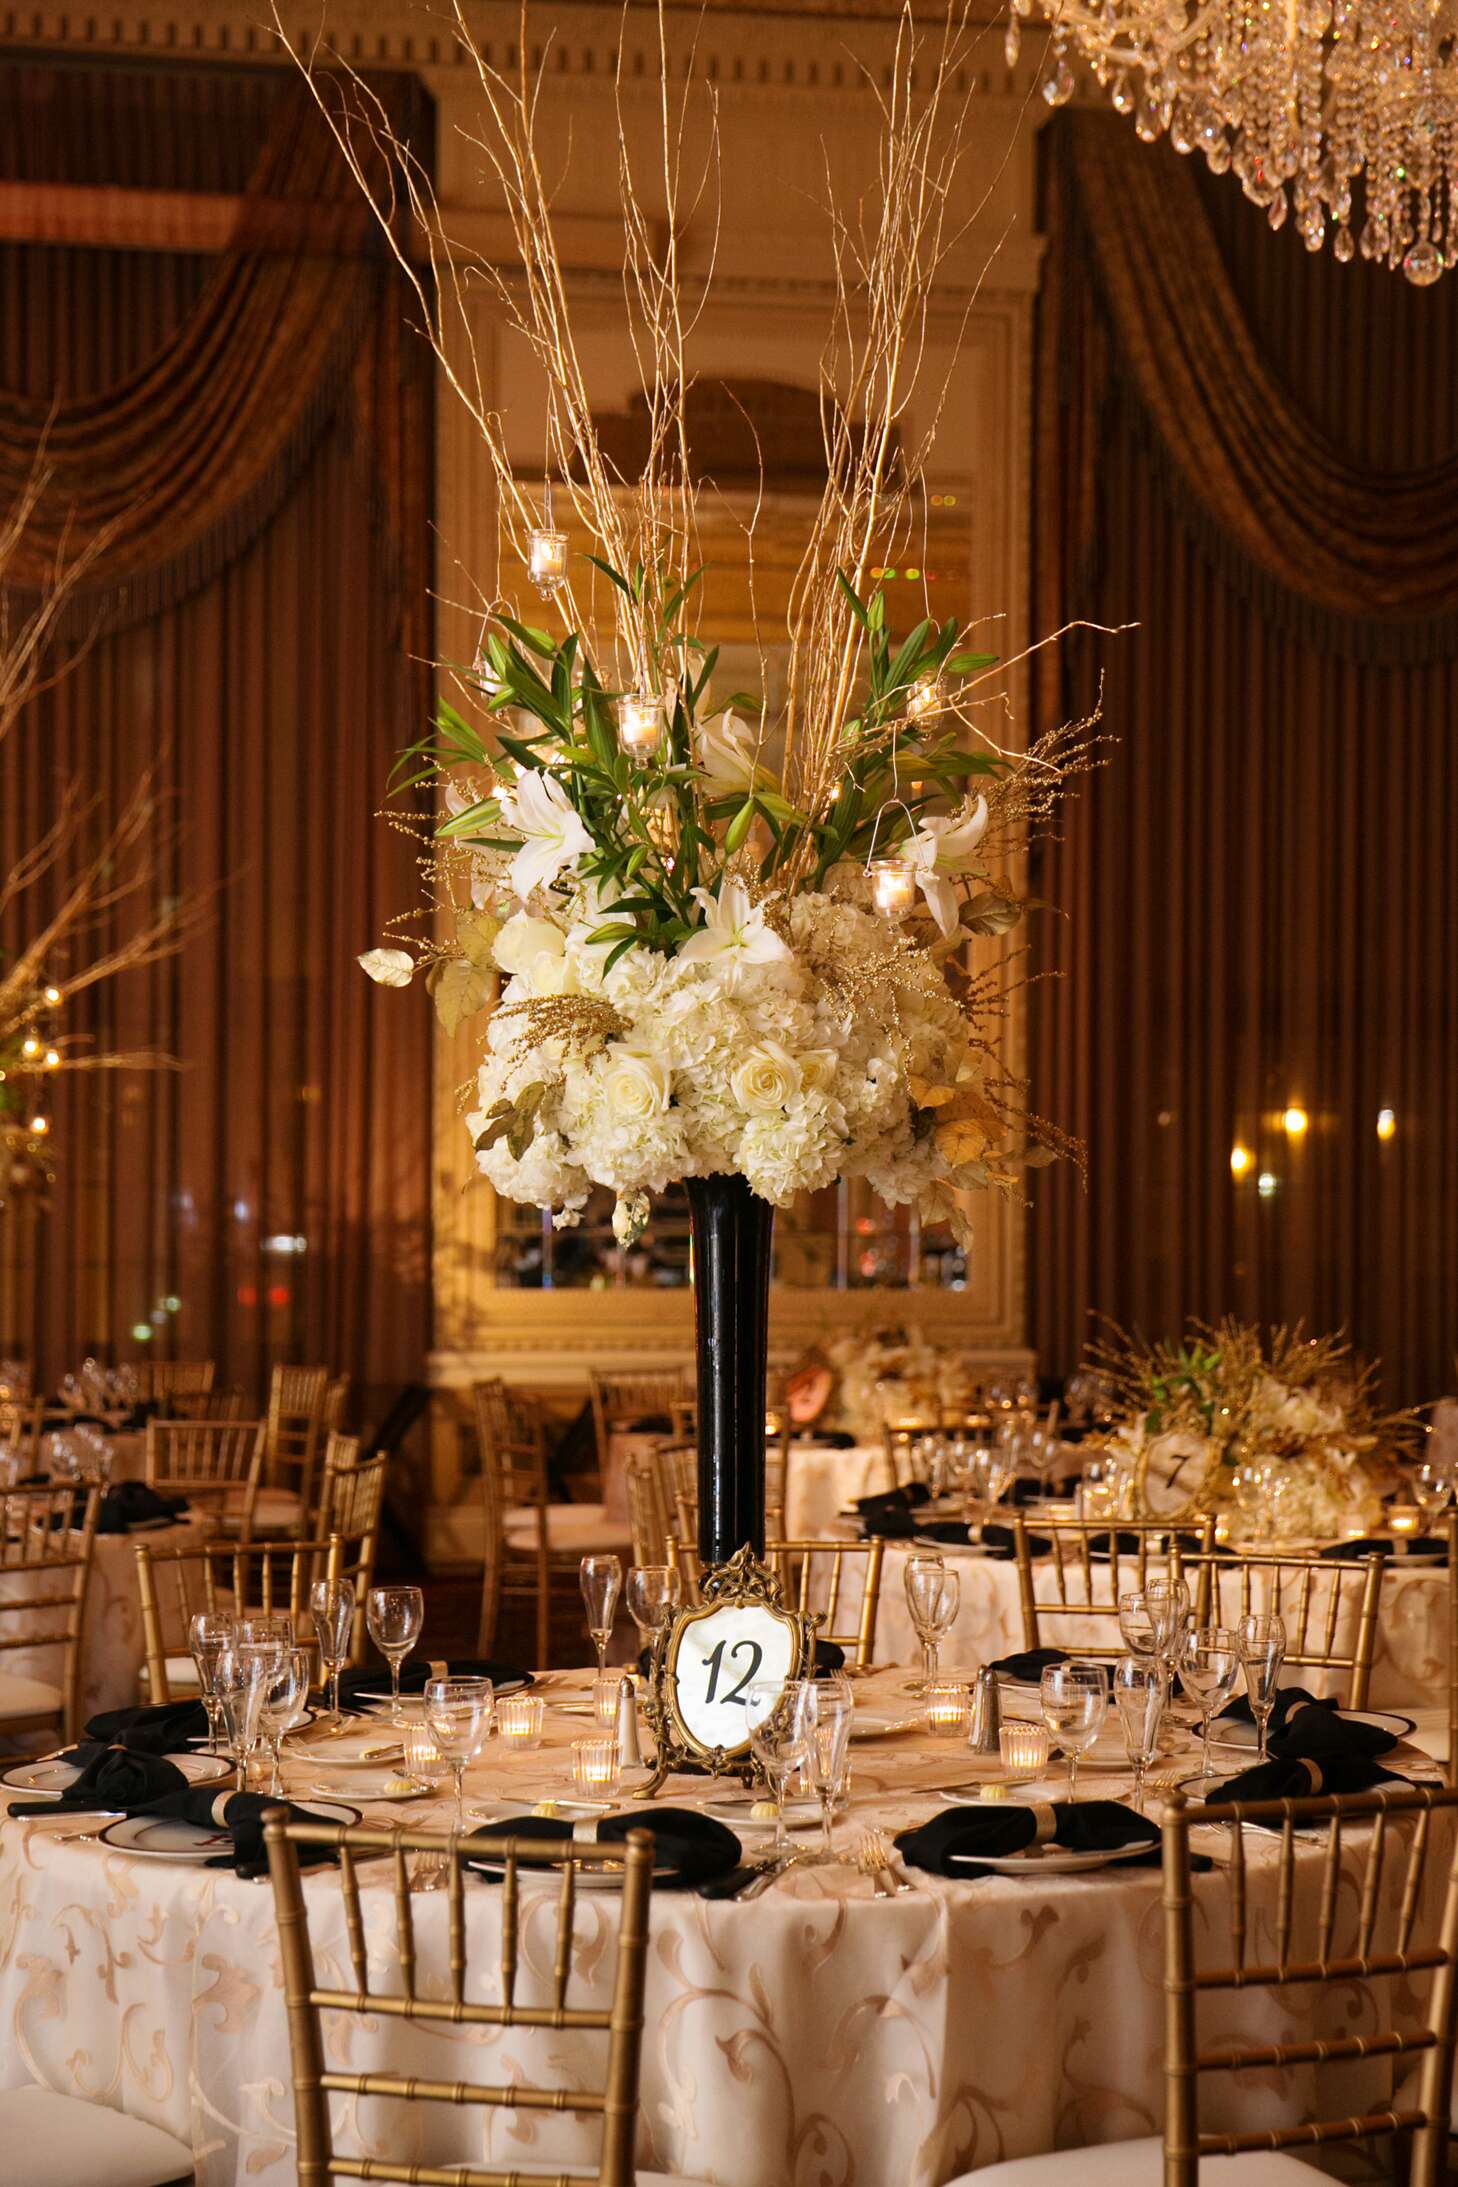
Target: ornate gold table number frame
(709, 1657)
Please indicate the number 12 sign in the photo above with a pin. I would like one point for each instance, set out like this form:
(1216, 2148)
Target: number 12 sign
(724, 1666)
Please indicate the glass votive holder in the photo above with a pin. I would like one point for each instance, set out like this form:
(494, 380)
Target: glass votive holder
(423, 1758)
(607, 1694)
(519, 1720)
(948, 1706)
(595, 1768)
(1024, 1749)
(1404, 1519)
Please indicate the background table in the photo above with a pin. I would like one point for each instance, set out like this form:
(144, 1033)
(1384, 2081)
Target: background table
(816, 2036)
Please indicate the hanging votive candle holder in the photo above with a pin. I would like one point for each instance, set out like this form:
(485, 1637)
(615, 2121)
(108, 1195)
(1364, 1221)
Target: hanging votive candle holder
(519, 1720)
(1024, 1749)
(547, 559)
(640, 724)
(948, 1706)
(924, 697)
(893, 887)
(595, 1768)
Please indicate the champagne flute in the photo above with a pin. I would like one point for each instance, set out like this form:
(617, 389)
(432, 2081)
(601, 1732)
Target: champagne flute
(932, 1596)
(394, 1616)
(285, 1689)
(654, 1593)
(458, 1711)
(1075, 1702)
(332, 1604)
(1209, 1667)
(1169, 1603)
(1139, 1698)
(828, 1708)
(601, 1580)
(240, 1678)
(209, 1637)
(780, 1740)
(1139, 1624)
(1262, 1652)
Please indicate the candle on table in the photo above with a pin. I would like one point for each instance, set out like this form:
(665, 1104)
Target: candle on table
(1024, 1749)
(595, 1766)
(947, 1707)
(519, 1719)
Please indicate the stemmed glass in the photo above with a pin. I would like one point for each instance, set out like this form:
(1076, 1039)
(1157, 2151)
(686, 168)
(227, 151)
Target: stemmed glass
(285, 1689)
(1139, 1698)
(1075, 1703)
(394, 1616)
(601, 1580)
(332, 1603)
(1139, 1624)
(209, 1637)
(779, 1736)
(458, 1711)
(989, 1477)
(1432, 1486)
(1209, 1665)
(827, 1707)
(240, 1680)
(266, 1629)
(1262, 1652)
(654, 1593)
(932, 1596)
(1169, 1606)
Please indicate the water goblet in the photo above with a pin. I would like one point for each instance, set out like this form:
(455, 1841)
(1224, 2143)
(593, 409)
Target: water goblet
(266, 1629)
(932, 1596)
(1262, 1652)
(209, 1637)
(458, 1711)
(394, 1616)
(1074, 1698)
(1138, 1623)
(601, 1581)
(780, 1740)
(285, 1689)
(1431, 1485)
(1139, 1698)
(654, 1593)
(1209, 1665)
(332, 1605)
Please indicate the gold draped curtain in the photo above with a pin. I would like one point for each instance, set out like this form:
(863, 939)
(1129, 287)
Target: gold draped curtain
(1252, 453)
(252, 428)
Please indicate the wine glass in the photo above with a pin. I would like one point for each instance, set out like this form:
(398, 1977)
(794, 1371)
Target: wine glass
(284, 1690)
(332, 1603)
(425, 1762)
(1262, 1652)
(209, 1636)
(1432, 1486)
(654, 1593)
(458, 1711)
(828, 1708)
(1139, 1623)
(394, 1616)
(989, 1477)
(269, 1629)
(1075, 1701)
(1209, 1665)
(601, 1580)
(1169, 1604)
(1139, 1698)
(240, 1678)
(932, 1596)
(779, 1736)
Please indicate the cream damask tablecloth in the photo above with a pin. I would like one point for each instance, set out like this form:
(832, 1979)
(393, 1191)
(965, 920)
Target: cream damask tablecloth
(817, 2036)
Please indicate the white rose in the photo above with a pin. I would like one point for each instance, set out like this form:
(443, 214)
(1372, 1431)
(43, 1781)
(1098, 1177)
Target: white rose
(767, 1079)
(818, 1068)
(390, 967)
(635, 1086)
(523, 940)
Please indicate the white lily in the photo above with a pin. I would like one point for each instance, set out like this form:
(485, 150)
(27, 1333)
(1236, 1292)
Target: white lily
(390, 967)
(941, 846)
(539, 808)
(733, 934)
(726, 755)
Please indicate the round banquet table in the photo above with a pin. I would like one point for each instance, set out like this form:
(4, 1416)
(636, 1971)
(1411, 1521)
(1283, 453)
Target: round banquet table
(815, 2036)
(1409, 1672)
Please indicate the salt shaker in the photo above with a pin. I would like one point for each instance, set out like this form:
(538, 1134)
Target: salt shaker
(630, 1754)
(986, 1713)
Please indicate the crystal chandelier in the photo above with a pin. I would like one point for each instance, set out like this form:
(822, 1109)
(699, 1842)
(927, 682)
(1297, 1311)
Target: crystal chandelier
(1297, 98)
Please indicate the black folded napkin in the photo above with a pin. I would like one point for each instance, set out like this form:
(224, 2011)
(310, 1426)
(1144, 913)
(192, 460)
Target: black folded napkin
(1294, 1777)
(1001, 1542)
(241, 1814)
(961, 1834)
(1029, 1667)
(903, 1498)
(413, 1676)
(691, 1847)
(161, 1730)
(111, 1778)
(827, 1438)
(1383, 1544)
(133, 1503)
(1305, 1727)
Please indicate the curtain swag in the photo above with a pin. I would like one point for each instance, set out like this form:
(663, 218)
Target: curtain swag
(1358, 560)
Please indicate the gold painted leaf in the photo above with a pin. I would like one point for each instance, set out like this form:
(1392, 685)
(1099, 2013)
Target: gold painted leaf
(961, 1139)
(927, 1094)
(461, 991)
(476, 931)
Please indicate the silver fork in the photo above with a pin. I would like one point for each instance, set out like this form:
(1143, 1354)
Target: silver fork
(873, 1858)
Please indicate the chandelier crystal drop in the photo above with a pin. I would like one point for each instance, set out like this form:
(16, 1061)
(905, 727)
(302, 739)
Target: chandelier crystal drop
(1301, 100)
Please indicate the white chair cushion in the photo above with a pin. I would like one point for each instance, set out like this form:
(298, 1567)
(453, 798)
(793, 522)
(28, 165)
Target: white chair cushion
(539, 2169)
(28, 1697)
(275, 1511)
(570, 1527)
(70, 2143)
(1138, 2164)
(182, 1676)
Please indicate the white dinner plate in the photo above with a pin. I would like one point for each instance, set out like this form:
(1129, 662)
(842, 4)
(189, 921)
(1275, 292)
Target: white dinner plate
(379, 1697)
(1246, 1737)
(374, 1785)
(882, 1723)
(549, 1878)
(502, 1813)
(49, 1777)
(365, 1745)
(166, 1837)
(740, 1816)
(1049, 1860)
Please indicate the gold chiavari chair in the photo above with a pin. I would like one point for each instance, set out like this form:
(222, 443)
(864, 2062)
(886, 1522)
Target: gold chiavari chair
(351, 1506)
(210, 1405)
(402, 1986)
(678, 1474)
(235, 1578)
(1089, 1563)
(647, 1511)
(1288, 1933)
(530, 1541)
(165, 1381)
(294, 1428)
(47, 1536)
(214, 1463)
(1329, 1606)
(633, 1403)
(20, 1432)
(815, 1576)
(683, 1419)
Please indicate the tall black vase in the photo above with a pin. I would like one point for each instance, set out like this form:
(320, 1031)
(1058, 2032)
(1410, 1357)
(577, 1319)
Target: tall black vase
(731, 1232)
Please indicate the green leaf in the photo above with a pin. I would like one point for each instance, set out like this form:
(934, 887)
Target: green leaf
(528, 635)
(968, 664)
(620, 950)
(608, 571)
(700, 683)
(485, 810)
(853, 600)
(614, 931)
(910, 654)
(676, 600)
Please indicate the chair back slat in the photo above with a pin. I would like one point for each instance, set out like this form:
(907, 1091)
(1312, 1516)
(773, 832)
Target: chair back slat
(50, 1531)
(816, 1577)
(511, 1438)
(622, 1402)
(234, 1577)
(414, 1993)
(1089, 1564)
(351, 1505)
(298, 1401)
(161, 1381)
(1329, 1606)
(215, 1463)
(20, 1431)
